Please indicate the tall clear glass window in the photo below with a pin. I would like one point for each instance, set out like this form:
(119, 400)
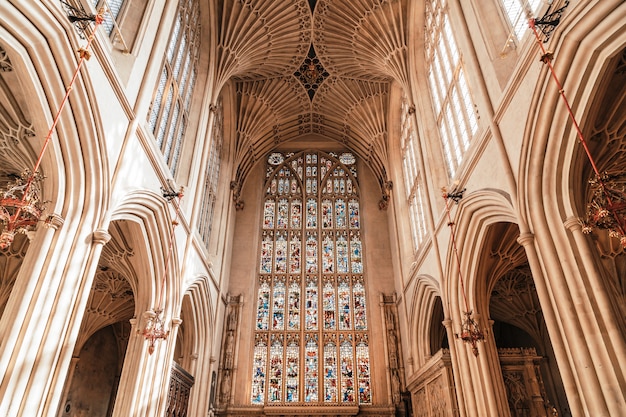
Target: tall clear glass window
(113, 8)
(169, 112)
(452, 101)
(518, 13)
(212, 174)
(412, 178)
(311, 340)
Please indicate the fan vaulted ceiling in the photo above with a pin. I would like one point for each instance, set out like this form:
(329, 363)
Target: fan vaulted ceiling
(312, 67)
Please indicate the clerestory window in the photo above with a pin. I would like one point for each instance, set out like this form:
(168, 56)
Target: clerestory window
(311, 331)
(169, 113)
(113, 8)
(452, 101)
(211, 177)
(412, 177)
(518, 13)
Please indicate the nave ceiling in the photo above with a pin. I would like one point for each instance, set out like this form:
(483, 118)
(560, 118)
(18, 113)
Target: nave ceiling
(312, 68)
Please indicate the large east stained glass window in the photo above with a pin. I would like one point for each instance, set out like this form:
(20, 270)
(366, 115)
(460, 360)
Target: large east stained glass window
(311, 341)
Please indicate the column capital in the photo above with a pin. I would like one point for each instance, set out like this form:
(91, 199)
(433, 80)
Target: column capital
(526, 239)
(54, 221)
(100, 237)
(573, 224)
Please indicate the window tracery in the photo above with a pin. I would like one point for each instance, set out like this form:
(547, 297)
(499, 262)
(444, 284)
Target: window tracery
(311, 253)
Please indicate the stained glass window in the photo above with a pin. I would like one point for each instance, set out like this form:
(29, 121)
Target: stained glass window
(452, 102)
(169, 111)
(311, 341)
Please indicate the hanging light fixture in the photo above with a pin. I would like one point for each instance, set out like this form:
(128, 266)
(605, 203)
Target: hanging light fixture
(471, 333)
(155, 328)
(607, 208)
(21, 206)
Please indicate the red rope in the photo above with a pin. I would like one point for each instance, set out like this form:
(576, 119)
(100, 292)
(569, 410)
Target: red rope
(161, 300)
(456, 251)
(84, 54)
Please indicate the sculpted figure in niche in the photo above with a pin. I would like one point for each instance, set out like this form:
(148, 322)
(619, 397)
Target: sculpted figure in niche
(229, 350)
(393, 350)
(225, 387)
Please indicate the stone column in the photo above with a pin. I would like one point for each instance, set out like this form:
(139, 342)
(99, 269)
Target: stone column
(43, 317)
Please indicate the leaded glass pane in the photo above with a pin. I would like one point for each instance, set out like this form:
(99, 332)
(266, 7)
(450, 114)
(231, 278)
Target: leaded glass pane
(294, 306)
(267, 251)
(282, 220)
(345, 322)
(269, 210)
(342, 255)
(330, 373)
(281, 254)
(263, 307)
(278, 306)
(311, 214)
(363, 367)
(274, 392)
(356, 256)
(347, 372)
(328, 258)
(311, 305)
(258, 373)
(311, 254)
(327, 214)
(296, 214)
(353, 209)
(311, 375)
(329, 306)
(326, 229)
(292, 372)
(360, 318)
(295, 248)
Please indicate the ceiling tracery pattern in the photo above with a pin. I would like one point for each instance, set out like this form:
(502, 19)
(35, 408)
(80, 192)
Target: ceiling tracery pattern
(352, 52)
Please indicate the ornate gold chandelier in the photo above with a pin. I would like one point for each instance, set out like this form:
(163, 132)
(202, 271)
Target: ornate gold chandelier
(607, 208)
(21, 206)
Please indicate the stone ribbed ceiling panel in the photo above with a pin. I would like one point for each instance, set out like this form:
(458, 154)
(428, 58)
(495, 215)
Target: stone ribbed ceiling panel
(262, 38)
(349, 52)
(362, 39)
